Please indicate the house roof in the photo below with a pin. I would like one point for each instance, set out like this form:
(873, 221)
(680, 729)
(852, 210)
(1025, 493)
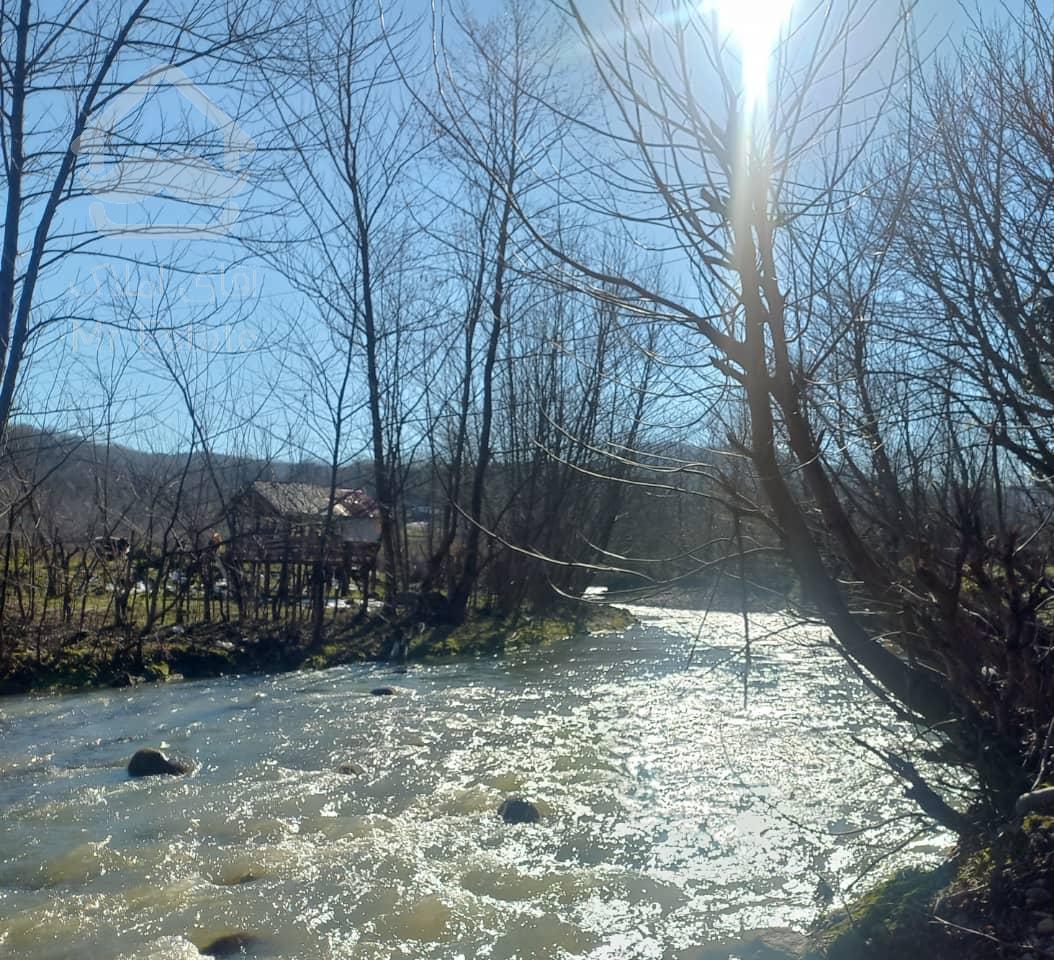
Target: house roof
(309, 500)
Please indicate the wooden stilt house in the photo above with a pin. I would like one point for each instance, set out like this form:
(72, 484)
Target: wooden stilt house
(279, 535)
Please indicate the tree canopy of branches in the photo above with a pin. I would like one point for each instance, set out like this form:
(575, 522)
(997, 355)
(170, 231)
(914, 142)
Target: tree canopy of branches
(871, 281)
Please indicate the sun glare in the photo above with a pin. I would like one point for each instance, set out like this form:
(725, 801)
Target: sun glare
(754, 27)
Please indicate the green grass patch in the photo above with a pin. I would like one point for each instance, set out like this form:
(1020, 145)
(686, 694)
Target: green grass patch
(485, 633)
(892, 920)
(111, 657)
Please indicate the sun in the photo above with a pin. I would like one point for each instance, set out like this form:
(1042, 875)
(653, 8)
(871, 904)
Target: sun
(754, 27)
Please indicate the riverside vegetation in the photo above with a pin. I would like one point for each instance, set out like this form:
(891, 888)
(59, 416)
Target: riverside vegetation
(752, 294)
(117, 658)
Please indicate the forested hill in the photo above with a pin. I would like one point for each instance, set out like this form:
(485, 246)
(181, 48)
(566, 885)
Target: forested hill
(63, 490)
(78, 488)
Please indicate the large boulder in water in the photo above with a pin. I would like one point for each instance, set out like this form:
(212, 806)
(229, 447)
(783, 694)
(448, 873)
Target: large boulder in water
(230, 945)
(153, 763)
(383, 691)
(518, 810)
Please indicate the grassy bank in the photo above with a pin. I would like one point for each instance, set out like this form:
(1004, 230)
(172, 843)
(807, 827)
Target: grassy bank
(116, 658)
(996, 900)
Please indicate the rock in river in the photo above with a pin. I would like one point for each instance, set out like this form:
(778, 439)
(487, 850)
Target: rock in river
(351, 769)
(153, 763)
(518, 810)
(230, 945)
(383, 691)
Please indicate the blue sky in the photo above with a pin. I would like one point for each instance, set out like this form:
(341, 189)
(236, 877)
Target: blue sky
(228, 307)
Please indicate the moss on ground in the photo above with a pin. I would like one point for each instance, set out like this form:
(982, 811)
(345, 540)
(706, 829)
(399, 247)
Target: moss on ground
(970, 908)
(487, 633)
(890, 920)
(112, 658)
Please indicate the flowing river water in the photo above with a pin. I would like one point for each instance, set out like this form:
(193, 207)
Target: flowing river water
(674, 815)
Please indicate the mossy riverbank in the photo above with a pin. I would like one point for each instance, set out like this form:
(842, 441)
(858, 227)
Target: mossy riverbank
(118, 658)
(993, 901)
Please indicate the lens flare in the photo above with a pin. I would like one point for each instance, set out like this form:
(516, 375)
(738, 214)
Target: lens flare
(754, 27)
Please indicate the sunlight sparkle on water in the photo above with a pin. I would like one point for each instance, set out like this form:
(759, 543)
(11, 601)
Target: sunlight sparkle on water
(754, 27)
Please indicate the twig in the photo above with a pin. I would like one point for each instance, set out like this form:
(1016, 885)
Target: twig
(981, 933)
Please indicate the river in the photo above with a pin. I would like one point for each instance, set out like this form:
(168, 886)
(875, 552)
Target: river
(673, 813)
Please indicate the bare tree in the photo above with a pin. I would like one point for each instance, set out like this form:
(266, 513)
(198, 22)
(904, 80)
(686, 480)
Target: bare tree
(495, 83)
(352, 144)
(750, 208)
(63, 72)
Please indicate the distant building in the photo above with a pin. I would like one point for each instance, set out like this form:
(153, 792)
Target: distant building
(110, 548)
(284, 523)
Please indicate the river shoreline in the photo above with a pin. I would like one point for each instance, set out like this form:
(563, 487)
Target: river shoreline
(57, 658)
(67, 661)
